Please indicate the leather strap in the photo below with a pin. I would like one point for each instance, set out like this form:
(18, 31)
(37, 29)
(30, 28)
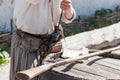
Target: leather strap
(60, 19)
(20, 32)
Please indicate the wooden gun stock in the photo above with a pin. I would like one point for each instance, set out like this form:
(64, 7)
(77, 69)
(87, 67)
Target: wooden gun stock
(31, 73)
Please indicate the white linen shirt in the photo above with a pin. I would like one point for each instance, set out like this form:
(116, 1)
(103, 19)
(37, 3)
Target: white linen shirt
(38, 16)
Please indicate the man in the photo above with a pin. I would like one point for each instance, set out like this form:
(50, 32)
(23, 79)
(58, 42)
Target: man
(35, 21)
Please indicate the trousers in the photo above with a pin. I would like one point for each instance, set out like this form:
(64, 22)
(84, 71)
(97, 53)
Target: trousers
(23, 58)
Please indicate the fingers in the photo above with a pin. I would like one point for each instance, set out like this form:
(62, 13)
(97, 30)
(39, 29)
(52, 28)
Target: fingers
(66, 4)
(66, 0)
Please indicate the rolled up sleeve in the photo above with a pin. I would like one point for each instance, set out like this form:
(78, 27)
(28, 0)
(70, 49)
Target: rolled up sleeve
(32, 1)
(64, 19)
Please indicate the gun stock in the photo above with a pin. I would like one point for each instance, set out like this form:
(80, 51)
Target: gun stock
(31, 73)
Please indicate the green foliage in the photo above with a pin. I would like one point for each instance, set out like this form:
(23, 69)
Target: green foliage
(103, 12)
(3, 56)
(70, 31)
(102, 23)
(91, 23)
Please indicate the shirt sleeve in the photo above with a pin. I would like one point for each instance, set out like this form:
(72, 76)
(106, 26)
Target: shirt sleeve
(64, 19)
(32, 1)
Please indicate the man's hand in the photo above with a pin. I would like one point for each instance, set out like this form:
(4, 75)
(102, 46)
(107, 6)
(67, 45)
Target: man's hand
(66, 5)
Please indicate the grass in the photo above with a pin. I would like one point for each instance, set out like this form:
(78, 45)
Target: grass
(87, 27)
(4, 61)
(4, 56)
(92, 24)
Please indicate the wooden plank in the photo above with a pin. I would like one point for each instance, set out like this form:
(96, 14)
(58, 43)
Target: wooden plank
(95, 71)
(98, 70)
(77, 73)
(87, 72)
(105, 59)
(111, 70)
(108, 65)
(54, 75)
(71, 72)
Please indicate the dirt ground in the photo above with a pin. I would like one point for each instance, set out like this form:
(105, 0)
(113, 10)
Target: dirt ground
(4, 72)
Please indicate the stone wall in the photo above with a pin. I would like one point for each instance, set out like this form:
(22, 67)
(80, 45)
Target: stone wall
(6, 12)
(86, 8)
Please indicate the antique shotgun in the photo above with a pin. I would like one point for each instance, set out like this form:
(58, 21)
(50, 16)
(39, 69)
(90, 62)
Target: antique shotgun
(31, 73)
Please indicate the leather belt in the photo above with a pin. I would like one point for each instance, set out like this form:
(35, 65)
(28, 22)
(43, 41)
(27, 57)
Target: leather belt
(19, 32)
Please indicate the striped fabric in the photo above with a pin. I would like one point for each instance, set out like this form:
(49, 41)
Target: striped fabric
(22, 59)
